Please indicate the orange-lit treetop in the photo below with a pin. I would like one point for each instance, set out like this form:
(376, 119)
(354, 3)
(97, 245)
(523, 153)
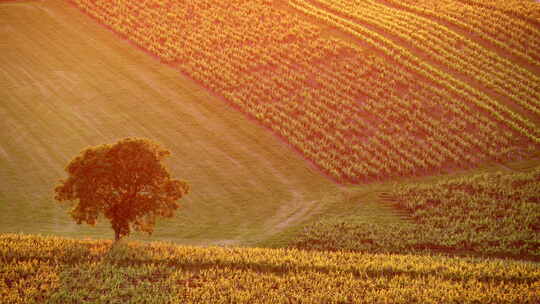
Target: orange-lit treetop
(126, 182)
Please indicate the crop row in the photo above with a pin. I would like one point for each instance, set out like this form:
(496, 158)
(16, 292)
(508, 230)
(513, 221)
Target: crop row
(513, 35)
(357, 116)
(390, 116)
(525, 10)
(54, 270)
(486, 214)
(405, 57)
(445, 46)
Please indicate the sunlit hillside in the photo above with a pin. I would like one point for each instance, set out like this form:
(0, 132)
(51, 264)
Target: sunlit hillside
(73, 84)
(337, 151)
(301, 93)
(408, 89)
(487, 214)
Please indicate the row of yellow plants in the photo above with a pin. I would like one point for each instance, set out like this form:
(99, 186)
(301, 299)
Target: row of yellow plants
(499, 111)
(525, 10)
(445, 46)
(499, 211)
(511, 33)
(37, 269)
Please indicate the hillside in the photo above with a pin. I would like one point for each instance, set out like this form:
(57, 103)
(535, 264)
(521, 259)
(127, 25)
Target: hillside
(73, 84)
(366, 90)
(278, 113)
(56, 270)
(338, 151)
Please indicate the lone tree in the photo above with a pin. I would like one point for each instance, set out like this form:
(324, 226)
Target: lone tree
(126, 182)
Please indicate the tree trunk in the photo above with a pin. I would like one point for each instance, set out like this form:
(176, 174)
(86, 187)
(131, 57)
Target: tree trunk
(116, 236)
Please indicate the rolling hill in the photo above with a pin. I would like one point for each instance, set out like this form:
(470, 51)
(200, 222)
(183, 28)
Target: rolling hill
(73, 84)
(388, 149)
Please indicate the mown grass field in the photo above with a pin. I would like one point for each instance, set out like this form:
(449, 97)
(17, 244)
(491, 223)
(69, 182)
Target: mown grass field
(397, 142)
(73, 84)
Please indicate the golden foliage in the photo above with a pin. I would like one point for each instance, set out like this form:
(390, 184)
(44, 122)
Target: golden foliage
(487, 214)
(495, 212)
(452, 50)
(162, 273)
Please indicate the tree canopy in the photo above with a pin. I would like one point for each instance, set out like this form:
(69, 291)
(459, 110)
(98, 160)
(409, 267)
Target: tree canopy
(126, 182)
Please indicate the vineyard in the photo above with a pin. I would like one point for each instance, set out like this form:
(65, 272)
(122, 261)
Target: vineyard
(423, 115)
(55, 270)
(455, 51)
(518, 36)
(486, 214)
(394, 100)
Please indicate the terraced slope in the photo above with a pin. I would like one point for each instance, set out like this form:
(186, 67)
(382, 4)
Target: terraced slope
(67, 83)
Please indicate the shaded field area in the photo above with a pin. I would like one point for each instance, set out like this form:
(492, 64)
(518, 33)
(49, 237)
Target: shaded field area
(58, 270)
(66, 83)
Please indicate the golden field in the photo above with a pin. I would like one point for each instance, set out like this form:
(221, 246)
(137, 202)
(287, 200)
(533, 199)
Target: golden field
(55, 270)
(387, 149)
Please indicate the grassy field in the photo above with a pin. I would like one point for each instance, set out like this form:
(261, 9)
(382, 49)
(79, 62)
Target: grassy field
(73, 84)
(56, 270)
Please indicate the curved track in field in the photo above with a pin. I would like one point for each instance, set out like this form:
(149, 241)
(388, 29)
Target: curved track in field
(67, 83)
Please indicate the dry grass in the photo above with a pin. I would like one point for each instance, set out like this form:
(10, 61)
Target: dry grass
(67, 83)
